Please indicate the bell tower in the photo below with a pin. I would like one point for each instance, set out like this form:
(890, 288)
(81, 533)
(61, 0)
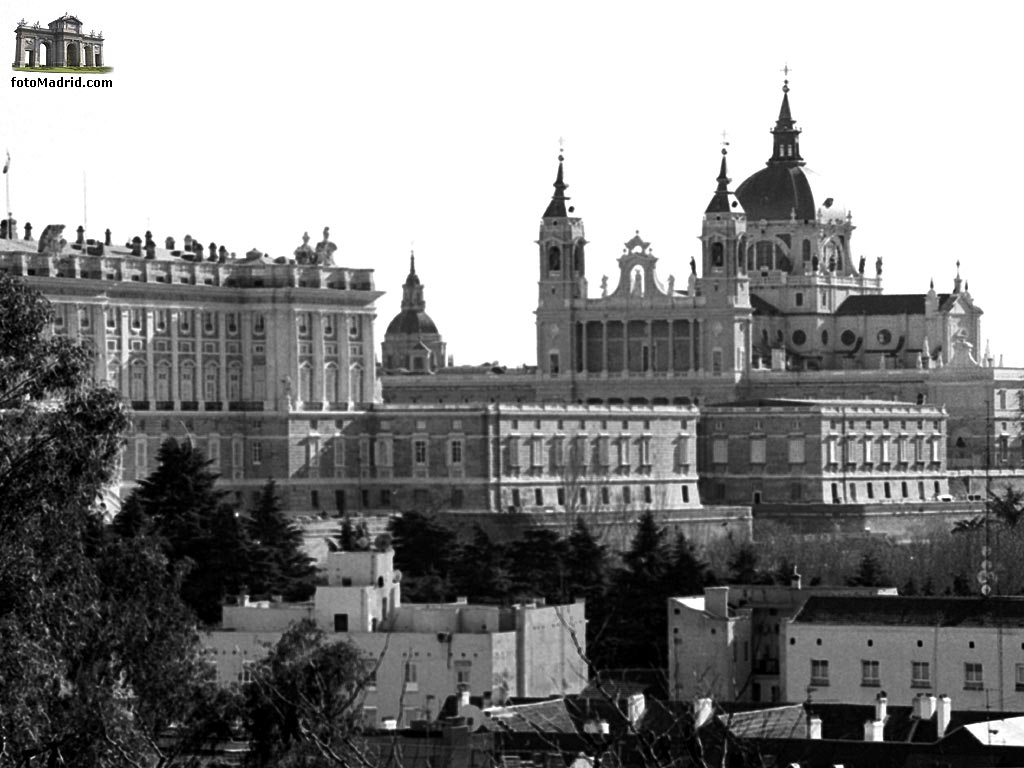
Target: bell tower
(723, 236)
(562, 283)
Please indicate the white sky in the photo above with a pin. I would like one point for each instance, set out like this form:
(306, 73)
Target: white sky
(438, 123)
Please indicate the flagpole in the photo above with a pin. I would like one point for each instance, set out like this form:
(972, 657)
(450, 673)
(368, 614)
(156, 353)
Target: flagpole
(7, 193)
(85, 207)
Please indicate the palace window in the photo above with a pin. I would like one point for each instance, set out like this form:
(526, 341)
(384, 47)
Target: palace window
(819, 672)
(973, 676)
(869, 673)
(920, 674)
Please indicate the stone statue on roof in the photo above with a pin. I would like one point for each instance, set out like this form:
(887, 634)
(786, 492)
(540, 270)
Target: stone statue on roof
(325, 250)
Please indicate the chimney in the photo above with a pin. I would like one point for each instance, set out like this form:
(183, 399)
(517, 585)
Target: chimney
(636, 704)
(881, 706)
(716, 601)
(942, 713)
(927, 706)
(814, 727)
(873, 730)
(795, 581)
(702, 711)
(463, 700)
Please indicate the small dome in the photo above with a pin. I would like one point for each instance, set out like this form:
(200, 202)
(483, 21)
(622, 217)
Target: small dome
(775, 192)
(411, 322)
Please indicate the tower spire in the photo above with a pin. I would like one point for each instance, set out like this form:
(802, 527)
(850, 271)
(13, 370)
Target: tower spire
(786, 134)
(723, 201)
(412, 291)
(556, 208)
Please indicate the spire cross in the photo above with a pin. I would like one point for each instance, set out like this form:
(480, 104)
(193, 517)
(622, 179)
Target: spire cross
(786, 69)
(725, 138)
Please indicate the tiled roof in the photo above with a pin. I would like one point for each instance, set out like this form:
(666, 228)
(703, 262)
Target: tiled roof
(762, 307)
(888, 304)
(914, 611)
(789, 722)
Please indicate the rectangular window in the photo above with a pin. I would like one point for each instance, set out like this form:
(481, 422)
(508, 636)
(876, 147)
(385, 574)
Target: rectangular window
(236, 452)
(140, 458)
(720, 450)
(819, 671)
(686, 494)
(259, 325)
(605, 495)
(411, 681)
(645, 452)
(111, 319)
(537, 452)
(920, 674)
(648, 494)
(382, 452)
(213, 450)
(603, 452)
(257, 452)
(758, 450)
(869, 674)
(516, 499)
(209, 322)
(561, 496)
(557, 452)
(455, 452)
(538, 497)
(623, 451)
(385, 497)
(1019, 677)
(419, 452)
(796, 450)
(973, 677)
(885, 450)
(581, 449)
(339, 451)
(84, 318)
(513, 453)
(462, 672)
(341, 622)
(627, 495)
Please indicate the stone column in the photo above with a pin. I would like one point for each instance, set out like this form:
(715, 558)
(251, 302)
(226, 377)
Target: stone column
(583, 347)
(123, 357)
(245, 334)
(175, 366)
(222, 347)
(604, 348)
(318, 360)
(150, 363)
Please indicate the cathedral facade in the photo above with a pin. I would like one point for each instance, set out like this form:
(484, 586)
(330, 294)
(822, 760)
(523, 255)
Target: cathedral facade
(776, 305)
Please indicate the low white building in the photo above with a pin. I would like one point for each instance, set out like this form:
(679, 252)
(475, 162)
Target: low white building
(421, 653)
(848, 649)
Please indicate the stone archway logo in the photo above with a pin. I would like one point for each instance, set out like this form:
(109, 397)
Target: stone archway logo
(60, 46)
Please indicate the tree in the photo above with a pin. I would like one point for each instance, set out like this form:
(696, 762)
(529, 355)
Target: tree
(179, 504)
(537, 564)
(97, 655)
(587, 568)
(425, 552)
(304, 704)
(277, 563)
(481, 569)
(688, 574)
(870, 573)
(743, 565)
(636, 626)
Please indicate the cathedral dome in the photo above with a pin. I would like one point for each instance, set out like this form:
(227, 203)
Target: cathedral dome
(411, 322)
(776, 192)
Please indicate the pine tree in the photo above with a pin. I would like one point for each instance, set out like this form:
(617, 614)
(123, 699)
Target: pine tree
(743, 565)
(870, 573)
(181, 506)
(537, 564)
(277, 562)
(587, 570)
(637, 623)
(481, 571)
(688, 573)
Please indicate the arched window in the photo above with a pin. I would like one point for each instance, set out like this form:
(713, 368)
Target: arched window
(163, 381)
(210, 381)
(806, 250)
(138, 381)
(355, 386)
(765, 249)
(187, 381)
(717, 255)
(234, 382)
(331, 383)
(577, 258)
(554, 259)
